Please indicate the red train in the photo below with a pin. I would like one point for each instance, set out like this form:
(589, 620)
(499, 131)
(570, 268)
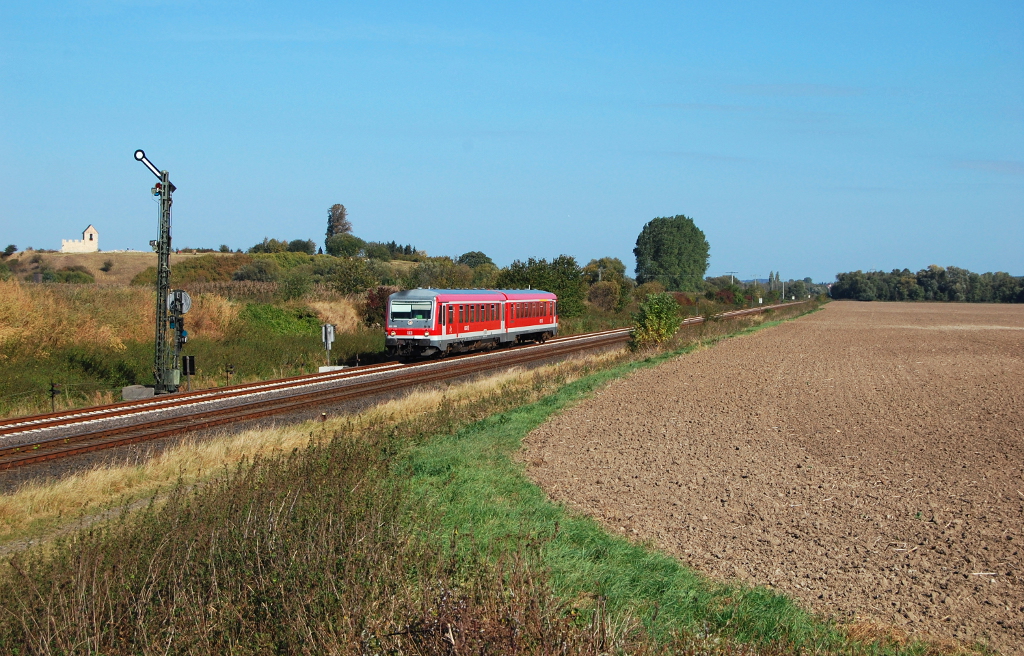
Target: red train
(425, 322)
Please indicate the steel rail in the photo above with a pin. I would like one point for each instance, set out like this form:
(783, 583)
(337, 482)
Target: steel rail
(382, 379)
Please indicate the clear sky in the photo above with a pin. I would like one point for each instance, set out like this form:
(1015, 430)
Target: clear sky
(807, 138)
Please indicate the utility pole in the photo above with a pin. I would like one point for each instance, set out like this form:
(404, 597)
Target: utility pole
(731, 275)
(167, 377)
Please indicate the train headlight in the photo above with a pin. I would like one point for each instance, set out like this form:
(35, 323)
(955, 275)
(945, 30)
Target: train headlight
(393, 333)
(426, 333)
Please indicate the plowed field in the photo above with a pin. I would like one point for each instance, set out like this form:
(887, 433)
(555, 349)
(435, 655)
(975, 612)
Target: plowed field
(865, 460)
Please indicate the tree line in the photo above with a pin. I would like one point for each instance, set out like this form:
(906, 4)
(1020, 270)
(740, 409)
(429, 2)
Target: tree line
(951, 284)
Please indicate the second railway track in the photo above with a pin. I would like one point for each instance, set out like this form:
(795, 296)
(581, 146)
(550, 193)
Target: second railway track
(29, 440)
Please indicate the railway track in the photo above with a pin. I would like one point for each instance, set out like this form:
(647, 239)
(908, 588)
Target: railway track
(35, 439)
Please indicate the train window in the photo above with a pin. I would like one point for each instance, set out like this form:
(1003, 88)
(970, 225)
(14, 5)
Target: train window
(413, 310)
(472, 313)
(443, 313)
(462, 314)
(451, 314)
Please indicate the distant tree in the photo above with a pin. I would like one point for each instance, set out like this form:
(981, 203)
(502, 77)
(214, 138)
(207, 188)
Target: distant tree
(485, 276)
(673, 251)
(439, 273)
(224, 248)
(337, 221)
(562, 276)
(307, 246)
(606, 268)
(377, 251)
(473, 259)
(270, 246)
(344, 245)
(611, 269)
(797, 288)
(10, 250)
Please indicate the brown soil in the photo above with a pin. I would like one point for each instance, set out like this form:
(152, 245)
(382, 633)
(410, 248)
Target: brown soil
(865, 460)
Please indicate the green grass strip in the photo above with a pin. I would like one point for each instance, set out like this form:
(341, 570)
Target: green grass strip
(473, 481)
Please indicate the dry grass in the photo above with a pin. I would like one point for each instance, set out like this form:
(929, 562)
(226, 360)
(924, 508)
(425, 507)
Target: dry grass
(43, 317)
(46, 317)
(126, 265)
(38, 509)
(341, 312)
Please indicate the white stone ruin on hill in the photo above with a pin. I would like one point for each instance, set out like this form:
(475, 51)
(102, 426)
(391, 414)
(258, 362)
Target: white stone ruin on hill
(89, 243)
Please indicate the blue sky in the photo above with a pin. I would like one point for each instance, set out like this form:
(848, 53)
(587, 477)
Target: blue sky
(806, 138)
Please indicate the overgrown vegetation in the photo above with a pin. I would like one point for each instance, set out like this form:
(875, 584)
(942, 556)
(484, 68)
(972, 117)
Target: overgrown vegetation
(421, 536)
(655, 322)
(932, 284)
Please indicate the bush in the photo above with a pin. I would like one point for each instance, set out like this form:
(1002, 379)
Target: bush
(376, 303)
(656, 322)
(604, 295)
(205, 268)
(78, 275)
(108, 266)
(350, 276)
(296, 283)
(259, 270)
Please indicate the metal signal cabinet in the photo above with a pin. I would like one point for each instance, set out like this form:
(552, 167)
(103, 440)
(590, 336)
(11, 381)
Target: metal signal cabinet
(425, 322)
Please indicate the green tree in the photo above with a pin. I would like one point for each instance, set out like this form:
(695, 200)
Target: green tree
(673, 251)
(307, 246)
(439, 273)
(606, 268)
(377, 251)
(485, 276)
(562, 277)
(270, 246)
(344, 245)
(337, 222)
(473, 259)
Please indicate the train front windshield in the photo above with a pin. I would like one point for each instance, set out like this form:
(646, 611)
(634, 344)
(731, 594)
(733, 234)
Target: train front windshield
(413, 310)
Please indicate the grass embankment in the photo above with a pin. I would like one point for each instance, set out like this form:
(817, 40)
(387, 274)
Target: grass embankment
(92, 340)
(411, 530)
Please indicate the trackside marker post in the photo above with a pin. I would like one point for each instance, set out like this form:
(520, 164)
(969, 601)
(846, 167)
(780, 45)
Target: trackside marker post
(327, 337)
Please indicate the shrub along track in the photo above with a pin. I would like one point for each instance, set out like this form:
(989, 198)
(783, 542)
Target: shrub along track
(864, 460)
(31, 440)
